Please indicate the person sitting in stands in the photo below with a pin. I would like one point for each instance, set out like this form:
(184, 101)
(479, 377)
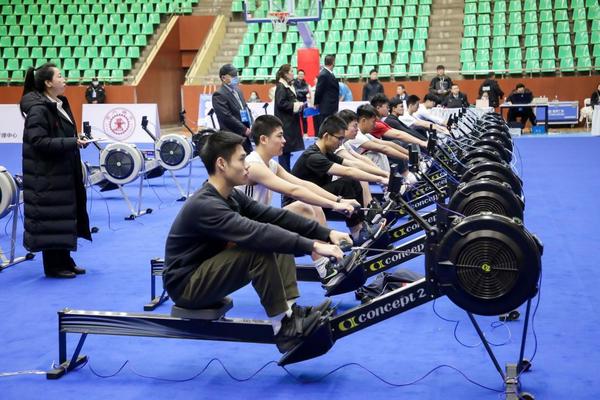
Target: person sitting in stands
(222, 240)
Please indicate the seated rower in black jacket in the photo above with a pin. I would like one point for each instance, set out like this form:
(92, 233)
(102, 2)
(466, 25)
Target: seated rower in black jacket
(221, 240)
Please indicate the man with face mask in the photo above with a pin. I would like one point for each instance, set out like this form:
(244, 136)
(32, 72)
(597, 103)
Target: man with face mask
(95, 93)
(230, 107)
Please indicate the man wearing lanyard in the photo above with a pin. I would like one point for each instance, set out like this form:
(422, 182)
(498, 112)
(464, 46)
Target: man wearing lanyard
(230, 107)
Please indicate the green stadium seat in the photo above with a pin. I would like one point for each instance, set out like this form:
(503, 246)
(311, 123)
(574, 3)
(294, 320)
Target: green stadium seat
(498, 66)
(512, 41)
(565, 52)
(391, 35)
(483, 19)
(466, 56)
(350, 26)
(482, 68)
(402, 58)
(407, 34)
(359, 47)
(596, 52)
(125, 64)
(567, 64)
(395, 12)
(470, 31)
(561, 15)
(515, 30)
(51, 53)
(419, 45)
(530, 5)
(468, 68)
(484, 30)
(581, 51)
(362, 35)
(421, 33)
(92, 52)
(545, 5)
(515, 67)
(415, 70)
(581, 38)
(514, 18)
(499, 42)
(584, 64)
(560, 4)
(563, 39)
(399, 70)
(353, 71)
(499, 30)
(596, 25)
(547, 40)
(483, 43)
(417, 57)
(515, 6)
(532, 66)
(422, 22)
(470, 8)
(19, 41)
(484, 7)
(546, 16)
(408, 22)
(334, 36)
(12, 64)
(356, 59)
(17, 76)
(546, 27)
(595, 39)
(377, 34)
(371, 59)
(499, 6)
(580, 26)
(467, 43)
(482, 55)
(499, 18)
(498, 54)
(531, 41)
(532, 53)
(531, 29)
(548, 53)
(515, 54)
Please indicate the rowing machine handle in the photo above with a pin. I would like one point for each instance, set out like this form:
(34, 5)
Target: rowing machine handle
(414, 155)
(432, 143)
(145, 128)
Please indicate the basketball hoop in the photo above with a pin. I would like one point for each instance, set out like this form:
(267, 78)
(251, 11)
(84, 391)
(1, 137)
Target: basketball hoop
(279, 20)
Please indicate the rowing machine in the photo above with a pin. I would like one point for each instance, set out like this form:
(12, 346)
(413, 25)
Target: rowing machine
(10, 200)
(485, 264)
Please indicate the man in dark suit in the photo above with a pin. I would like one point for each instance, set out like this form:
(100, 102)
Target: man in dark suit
(230, 107)
(327, 92)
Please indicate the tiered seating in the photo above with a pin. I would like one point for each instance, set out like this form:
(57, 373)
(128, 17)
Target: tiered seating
(389, 35)
(534, 36)
(85, 38)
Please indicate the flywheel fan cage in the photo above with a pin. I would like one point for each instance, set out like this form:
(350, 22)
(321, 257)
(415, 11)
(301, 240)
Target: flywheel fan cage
(174, 152)
(121, 163)
(487, 268)
(8, 192)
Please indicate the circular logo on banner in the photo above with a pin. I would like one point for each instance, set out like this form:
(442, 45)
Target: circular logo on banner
(119, 124)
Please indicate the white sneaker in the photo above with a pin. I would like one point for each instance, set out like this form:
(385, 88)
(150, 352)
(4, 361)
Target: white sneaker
(410, 179)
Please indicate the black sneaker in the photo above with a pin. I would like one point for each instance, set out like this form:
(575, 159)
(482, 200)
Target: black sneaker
(294, 329)
(331, 271)
(304, 311)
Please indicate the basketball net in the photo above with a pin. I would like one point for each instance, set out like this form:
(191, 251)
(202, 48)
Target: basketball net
(279, 20)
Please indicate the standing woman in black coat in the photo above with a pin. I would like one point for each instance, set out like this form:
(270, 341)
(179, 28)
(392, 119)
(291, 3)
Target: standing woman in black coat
(53, 190)
(289, 110)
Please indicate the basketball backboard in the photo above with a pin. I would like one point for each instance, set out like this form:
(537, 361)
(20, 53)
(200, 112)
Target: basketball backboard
(257, 11)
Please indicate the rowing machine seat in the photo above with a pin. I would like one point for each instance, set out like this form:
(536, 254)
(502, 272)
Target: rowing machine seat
(212, 312)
